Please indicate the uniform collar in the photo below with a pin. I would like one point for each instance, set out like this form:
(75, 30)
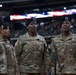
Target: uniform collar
(32, 37)
(63, 38)
(2, 38)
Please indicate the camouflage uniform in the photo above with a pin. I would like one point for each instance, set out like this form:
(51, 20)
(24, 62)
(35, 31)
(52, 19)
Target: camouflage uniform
(7, 58)
(66, 52)
(32, 54)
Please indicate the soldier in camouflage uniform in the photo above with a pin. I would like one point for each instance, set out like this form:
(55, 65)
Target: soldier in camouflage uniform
(32, 52)
(63, 56)
(8, 62)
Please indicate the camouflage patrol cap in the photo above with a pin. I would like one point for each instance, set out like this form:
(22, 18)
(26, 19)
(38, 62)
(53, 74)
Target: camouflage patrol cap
(30, 20)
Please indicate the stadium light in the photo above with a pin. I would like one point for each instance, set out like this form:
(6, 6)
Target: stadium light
(0, 5)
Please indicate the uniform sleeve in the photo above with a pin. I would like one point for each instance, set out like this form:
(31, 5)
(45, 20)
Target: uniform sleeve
(18, 49)
(74, 51)
(46, 57)
(17, 72)
(3, 60)
(52, 57)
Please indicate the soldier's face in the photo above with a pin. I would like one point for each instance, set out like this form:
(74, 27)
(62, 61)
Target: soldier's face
(65, 26)
(32, 27)
(5, 32)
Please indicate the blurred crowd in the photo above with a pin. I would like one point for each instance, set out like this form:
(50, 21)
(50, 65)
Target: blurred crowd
(45, 28)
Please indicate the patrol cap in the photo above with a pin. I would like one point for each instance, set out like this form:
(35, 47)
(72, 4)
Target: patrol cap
(5, 25)
(30, 20)
(65, 19)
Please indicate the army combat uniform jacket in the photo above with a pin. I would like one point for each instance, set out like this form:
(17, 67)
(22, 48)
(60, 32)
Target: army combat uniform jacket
(7, 58)
(32, 54)
(65, 54)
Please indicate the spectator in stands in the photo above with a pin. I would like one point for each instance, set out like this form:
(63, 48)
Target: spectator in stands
(31, 51)
(73, 23)
(63, 56)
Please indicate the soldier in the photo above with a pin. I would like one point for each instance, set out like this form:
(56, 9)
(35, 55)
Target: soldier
(8, 61)
(63, 56)
(31, 50)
